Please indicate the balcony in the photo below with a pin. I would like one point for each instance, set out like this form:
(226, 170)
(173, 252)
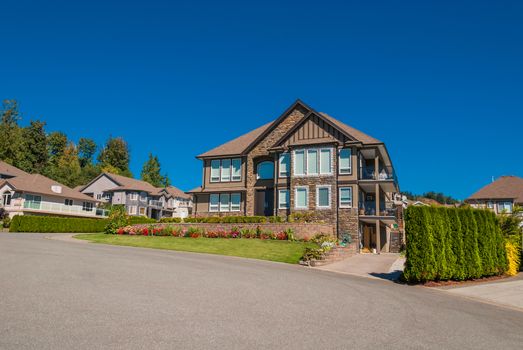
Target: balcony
(58, 208)
(385, 173)
(155, 203)
(386, 209)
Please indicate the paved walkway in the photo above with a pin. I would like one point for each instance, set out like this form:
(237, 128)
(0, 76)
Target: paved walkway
(384, 266)
(508, 292)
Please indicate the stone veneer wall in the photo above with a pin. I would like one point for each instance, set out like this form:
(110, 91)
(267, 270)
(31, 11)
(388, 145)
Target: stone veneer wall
(262, 149)
(301, 231)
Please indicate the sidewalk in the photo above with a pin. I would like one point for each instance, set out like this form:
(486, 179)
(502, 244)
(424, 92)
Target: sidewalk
(383, 266)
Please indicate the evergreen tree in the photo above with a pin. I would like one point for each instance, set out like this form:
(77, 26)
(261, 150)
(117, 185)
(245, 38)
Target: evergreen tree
(86, 151)
(10, 133)
(115, 157)
(450, 259)
(456, 237)
(56, 144)
(151, 172)
(437, 229)
(472, 260)
(420, 264)
(34, 155)
(67, 169)
(486, 248)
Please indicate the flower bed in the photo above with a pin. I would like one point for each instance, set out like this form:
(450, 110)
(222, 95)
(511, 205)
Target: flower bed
(196, 232)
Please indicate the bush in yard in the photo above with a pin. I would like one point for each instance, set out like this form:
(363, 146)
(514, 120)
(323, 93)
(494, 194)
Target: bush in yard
(513, 256)
(134, 220)
(171, 220)
(45, 224)
(117, 218)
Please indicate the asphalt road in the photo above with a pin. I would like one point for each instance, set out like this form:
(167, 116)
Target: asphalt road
(63, 295)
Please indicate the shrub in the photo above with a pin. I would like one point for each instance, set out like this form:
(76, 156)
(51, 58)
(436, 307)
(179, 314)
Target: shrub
(6, 222)
(312, 254)
(134, 220)
(117, 218)
(173, 220)
(513, 257)
(45, 224)
(194, 232)
(304, 217)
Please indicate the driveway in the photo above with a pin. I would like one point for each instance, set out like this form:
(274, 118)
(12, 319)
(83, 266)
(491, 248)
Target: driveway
(384, 266)
(63, 295)
(508, 292)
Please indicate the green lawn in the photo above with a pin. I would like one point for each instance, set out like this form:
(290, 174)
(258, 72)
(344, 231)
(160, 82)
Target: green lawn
(282, 251)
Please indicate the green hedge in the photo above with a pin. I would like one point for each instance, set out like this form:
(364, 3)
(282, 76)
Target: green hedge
(452, 244)
(133, 220)
(171, 220)
(45, 224)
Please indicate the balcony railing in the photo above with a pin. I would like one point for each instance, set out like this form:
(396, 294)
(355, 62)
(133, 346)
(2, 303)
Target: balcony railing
(369, 209)
(155, 203)
(384, 173)
(64, 209)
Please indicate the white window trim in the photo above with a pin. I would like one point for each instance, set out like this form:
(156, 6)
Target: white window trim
(239, 204)
(222, 179)
(318, 196)
(287, 205)
(295, 162)
(132, 210)
(351, 197)
(215, 179)
(133, 196)
(211, 210)
(331, 151)
(233, 179)
(306, 207)
(350, 163)
(280, 162)
(310, 150)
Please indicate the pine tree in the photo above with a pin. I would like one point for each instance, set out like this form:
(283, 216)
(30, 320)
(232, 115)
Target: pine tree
(34, 155)
(151, 172)
(10, 133)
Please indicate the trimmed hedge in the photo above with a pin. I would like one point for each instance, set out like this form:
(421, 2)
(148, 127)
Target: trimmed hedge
(141, 220)
(171, 220)
(452, 244)
(46, 224)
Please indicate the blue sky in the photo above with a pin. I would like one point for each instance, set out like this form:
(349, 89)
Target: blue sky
(439, 82)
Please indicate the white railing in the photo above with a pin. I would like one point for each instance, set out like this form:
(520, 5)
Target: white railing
(155, 203)
(65, 209)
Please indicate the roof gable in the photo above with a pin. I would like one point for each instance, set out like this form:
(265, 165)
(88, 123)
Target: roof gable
(506, 187)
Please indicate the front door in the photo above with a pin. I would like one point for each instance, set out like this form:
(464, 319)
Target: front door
(264, 202)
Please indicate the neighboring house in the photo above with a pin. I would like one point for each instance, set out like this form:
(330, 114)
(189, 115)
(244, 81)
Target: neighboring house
(139, 197)
(305, 161)
(500, 196)
(22, 193)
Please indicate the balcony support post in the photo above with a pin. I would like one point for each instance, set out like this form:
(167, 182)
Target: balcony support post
(378, 237)
(376, 167)
(377, 199)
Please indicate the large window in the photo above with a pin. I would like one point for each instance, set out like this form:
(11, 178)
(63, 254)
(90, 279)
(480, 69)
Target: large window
(283, 199)
(226, 170)
(88, 206)
(68, 202)
(345, 197)
(214, 202)
(302, 198)
(313, 161)
(133, 196)
(265, 170)
(6, 199)
(505, 207)
(225, 202)
(345, 161)
(323, 196)
(284, 164)
(32, 201)
(299, 162)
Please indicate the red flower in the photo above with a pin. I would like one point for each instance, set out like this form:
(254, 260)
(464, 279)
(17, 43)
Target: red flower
(120, 231)
(145, 232)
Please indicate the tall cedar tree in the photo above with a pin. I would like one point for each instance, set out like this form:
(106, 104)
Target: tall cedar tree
(115, 157)
(10, 133)
(472, 260)
(34, 153)
(456, 238)
(151, 172)
(485, 234)
(447, 246)
(420, 264)
(437, 228)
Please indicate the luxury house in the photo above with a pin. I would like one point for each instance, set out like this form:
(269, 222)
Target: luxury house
(22, 193)
(500, 196)
(139, 197)
(306, 161)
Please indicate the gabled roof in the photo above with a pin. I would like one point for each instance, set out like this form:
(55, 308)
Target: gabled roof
(506, 187)
(243, 143)
(9, 170)
(125, 183)
(36, 183)
(174, 192)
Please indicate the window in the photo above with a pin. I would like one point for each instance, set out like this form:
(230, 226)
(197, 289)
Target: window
(214, 202)
(299, 162)
(505, 207)
(143, 196)
(132, 209)
(345, 161)
(284, 163)
(133, 196)
(345, 197)
(68, 202)
(302, 198)
(87, 206)
(235, 201)
(6, 199)
(142, 211)
(323, 196)
(312, 162)
(325, 161)
(265, 170)
(98, 196)
(224, 202)
(215, 170)
(490, 205)
(226, 170)
(236, 169)
(106, 196)
(283, 199)
(32, 201)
